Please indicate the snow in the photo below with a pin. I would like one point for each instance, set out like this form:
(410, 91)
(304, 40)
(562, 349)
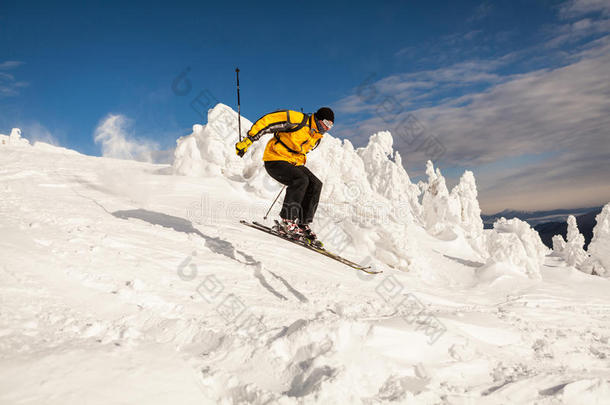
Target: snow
(132, 282)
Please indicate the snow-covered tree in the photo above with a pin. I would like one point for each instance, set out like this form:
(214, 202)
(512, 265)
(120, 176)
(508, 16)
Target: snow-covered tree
(599, 248)
(440, 210)
(449, 214)
(385, 172)
(559, 244)
(470, 212)
(573, 252)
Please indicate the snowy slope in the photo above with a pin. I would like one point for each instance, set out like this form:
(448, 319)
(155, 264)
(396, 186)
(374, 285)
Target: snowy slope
(123, 283)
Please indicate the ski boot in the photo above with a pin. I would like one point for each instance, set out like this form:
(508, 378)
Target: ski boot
(310, 237)
(289, 229)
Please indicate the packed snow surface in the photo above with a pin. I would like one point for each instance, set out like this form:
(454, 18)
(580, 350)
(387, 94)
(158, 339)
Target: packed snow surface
(129, 282)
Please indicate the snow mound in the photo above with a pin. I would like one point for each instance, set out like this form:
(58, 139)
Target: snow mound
(47, 147)
(514, 241)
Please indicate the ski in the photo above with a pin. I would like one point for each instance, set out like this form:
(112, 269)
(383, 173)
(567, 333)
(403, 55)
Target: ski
(322, 251)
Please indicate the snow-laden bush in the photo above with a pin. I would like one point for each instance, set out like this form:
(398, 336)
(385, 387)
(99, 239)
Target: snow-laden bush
(14, 139)
(514, 241)
(599, 248)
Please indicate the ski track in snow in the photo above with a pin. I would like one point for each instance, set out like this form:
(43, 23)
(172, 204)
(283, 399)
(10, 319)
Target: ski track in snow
(111, 294)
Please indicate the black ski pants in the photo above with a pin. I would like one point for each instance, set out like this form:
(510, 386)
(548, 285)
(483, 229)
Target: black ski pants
(302, 192)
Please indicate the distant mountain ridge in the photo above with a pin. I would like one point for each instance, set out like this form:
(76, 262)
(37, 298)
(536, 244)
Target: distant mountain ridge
(538, 217)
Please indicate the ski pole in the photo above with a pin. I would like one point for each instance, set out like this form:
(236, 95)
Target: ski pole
(273, 203)
(238, 106)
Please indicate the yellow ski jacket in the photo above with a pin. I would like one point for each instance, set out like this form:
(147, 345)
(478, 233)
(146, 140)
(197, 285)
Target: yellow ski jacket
(295, 134)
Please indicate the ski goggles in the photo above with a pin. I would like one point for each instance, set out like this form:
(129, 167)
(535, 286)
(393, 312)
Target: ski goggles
(326, 125)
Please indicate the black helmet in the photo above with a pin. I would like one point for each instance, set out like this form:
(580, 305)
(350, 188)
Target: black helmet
(325, 113)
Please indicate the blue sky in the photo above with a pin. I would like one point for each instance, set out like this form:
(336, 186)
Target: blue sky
(460, 69)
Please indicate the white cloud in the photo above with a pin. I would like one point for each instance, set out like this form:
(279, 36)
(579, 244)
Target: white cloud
(410, 88)
(112, 134)
(578, 30)
(560, 113)
(10, 64)
(9, 85)
(480, 12)
(575, 8)
(545, 110)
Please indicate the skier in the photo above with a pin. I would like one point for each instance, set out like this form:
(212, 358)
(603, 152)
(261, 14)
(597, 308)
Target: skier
(294, 135)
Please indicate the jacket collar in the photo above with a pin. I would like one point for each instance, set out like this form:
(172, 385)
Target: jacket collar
(313, 125)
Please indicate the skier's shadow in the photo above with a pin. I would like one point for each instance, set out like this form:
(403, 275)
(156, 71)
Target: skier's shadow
(178, 224)
(216, 245)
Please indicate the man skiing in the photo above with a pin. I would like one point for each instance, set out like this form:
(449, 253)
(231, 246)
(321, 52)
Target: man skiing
(295, 135)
